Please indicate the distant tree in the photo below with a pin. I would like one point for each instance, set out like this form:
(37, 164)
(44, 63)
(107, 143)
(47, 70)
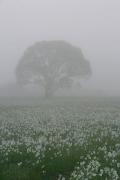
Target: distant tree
(52, 65)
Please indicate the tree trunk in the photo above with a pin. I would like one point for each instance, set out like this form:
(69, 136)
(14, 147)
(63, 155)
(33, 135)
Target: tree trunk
(48, 92)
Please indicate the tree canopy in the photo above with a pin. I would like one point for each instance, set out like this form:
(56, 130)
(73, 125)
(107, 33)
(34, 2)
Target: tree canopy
(52, 65)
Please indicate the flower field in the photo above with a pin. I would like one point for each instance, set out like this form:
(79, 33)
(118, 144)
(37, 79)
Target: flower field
(62, 140)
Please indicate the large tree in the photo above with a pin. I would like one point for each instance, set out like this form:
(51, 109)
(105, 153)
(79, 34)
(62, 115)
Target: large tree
(52, 65)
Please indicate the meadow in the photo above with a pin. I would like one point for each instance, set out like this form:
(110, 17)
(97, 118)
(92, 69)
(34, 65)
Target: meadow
(63, 139)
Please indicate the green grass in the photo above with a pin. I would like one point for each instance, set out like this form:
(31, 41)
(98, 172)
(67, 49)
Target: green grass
(56, 137)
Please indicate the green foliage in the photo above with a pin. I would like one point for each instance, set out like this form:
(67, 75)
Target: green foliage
(76, 140)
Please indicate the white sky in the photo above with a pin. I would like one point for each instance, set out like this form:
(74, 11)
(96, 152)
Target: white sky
(93, 25)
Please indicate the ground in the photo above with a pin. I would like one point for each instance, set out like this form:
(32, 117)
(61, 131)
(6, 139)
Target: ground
(60, 139)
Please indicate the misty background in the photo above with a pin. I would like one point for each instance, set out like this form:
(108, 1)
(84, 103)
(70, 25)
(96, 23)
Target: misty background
(92, 25)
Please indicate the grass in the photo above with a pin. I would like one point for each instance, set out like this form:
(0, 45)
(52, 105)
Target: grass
(74, 139)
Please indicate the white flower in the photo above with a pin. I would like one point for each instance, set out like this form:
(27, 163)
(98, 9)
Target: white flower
(19, 164)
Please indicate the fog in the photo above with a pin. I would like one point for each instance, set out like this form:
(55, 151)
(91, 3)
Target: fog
(92, 25)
